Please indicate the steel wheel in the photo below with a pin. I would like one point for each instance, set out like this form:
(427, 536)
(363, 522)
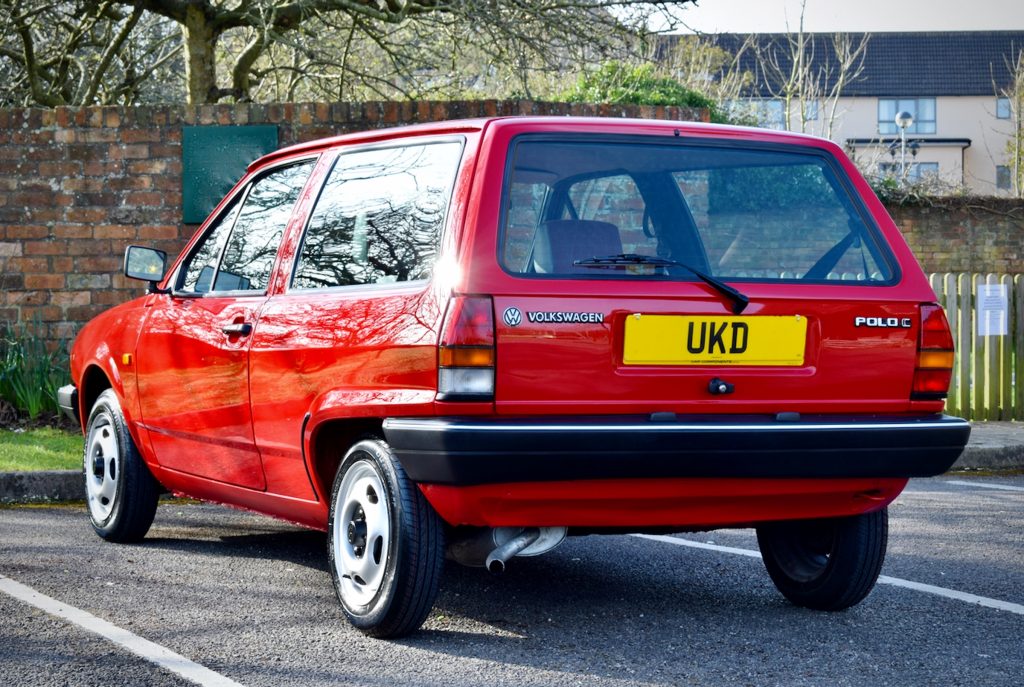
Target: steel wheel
(361, 535)
(827, 565)
(102, 459)
(386, 543)
(120, 491)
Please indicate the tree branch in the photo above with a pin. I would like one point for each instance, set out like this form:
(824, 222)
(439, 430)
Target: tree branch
(108, 55)
(172, 9)
(41, 96)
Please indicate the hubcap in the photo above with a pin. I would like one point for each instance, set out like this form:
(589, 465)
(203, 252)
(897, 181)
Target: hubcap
(101, 467)
(361, 534)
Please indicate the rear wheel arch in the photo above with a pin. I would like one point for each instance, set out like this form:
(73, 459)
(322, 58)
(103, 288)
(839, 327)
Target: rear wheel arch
(328, 441)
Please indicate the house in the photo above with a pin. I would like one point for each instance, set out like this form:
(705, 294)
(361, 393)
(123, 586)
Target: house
(954, 84)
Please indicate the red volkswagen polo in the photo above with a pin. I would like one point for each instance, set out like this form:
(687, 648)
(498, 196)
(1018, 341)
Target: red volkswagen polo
(478, 337)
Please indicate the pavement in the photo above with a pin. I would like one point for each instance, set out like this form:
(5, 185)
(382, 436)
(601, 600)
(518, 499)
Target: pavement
(250, 599)
(994, 447)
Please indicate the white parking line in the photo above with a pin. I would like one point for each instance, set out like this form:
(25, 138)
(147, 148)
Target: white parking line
(953, 594)
(1017, 609)
(983, 485)
(699, 545)
(152, 652)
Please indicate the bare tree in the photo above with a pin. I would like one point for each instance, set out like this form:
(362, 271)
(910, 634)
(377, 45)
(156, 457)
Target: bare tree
(81, 52)
(1014, 93)
(518, 49)
(700, 65)
(99, 51)
(809, 74)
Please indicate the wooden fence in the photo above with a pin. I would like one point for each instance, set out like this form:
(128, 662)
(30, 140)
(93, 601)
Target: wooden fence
(988, 375)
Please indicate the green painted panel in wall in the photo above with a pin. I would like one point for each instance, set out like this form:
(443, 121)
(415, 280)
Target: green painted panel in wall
(213, 158)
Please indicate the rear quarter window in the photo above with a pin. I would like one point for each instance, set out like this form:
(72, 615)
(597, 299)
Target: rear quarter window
(379, 217)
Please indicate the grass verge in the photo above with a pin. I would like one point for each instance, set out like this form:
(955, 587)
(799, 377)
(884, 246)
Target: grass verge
(42, 448)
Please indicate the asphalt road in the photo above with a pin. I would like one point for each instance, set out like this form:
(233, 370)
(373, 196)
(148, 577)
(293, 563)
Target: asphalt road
(251, 599)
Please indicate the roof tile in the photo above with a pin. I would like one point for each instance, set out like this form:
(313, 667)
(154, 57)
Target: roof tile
(903, 64)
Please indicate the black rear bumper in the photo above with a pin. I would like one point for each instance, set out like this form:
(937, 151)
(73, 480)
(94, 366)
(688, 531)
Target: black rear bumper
(467, 451)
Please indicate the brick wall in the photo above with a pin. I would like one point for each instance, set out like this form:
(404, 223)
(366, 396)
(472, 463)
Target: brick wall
(79, 184)
(966, 234)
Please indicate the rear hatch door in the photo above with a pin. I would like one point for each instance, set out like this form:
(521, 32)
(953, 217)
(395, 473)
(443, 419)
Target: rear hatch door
(619, 255)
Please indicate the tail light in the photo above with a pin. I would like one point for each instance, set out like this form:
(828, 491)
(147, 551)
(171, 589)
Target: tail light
(466, 350)
(934, 368)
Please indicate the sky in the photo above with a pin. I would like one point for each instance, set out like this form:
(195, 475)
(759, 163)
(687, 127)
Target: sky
(764, 16)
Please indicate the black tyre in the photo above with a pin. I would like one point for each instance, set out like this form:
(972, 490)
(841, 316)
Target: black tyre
(120, 491)
(827, 565)
(385, 543)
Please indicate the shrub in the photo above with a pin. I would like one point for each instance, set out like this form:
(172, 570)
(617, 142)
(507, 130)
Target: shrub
(620, 83)
(30, 373)
(922, 192)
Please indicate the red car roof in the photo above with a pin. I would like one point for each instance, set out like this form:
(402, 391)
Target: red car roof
(468, 125)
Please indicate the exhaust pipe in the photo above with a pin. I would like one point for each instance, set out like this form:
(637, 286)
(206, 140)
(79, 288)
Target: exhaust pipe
(473, 546)
(497, 559)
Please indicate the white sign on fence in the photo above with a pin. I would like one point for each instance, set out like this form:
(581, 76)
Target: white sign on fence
(993, 305)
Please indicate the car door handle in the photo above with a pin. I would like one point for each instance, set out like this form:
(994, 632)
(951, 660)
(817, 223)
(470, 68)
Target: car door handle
(237, 329)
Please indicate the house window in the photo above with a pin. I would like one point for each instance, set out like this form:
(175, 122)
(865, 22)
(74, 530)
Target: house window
(1003, 108)
(811, 110)
(769, 113)
(920, 170)
(923, 110)
(764, 112)
(1003, 180)
(916, 171)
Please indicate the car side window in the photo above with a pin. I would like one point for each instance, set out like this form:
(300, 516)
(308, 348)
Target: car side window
(237, 253)
(252, 247)
(199, 269)
(379, 217)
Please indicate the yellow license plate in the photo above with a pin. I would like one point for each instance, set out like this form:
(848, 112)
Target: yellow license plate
(697, 340)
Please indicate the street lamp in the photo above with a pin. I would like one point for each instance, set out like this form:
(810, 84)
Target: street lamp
(903, 120)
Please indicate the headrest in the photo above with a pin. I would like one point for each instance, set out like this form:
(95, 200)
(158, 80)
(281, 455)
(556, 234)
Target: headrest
(561, 242)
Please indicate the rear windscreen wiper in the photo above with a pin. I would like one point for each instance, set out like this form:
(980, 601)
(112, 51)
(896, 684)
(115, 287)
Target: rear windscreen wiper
(739, 301)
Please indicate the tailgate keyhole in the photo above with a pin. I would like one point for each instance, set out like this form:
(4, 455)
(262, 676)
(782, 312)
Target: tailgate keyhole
(719, 387)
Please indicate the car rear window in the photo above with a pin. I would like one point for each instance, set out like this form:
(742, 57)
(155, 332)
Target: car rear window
(741, 213)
